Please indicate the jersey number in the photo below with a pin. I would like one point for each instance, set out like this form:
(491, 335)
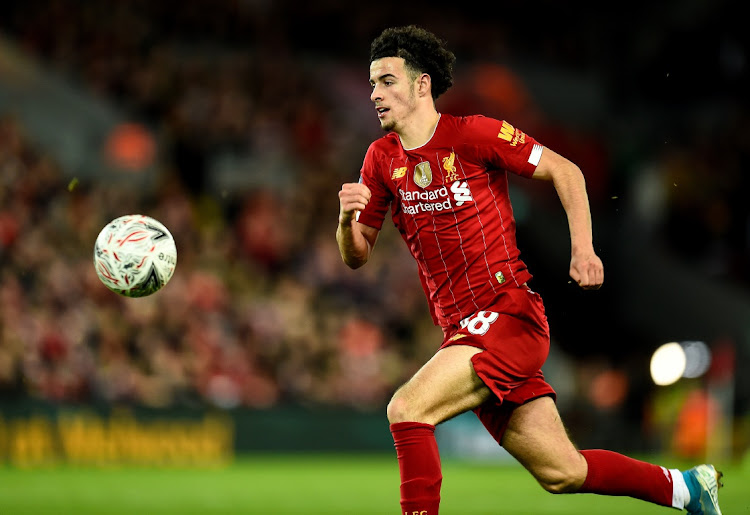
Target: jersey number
(479, 324)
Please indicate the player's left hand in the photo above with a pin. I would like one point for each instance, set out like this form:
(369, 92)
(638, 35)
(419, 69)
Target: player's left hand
(587, 270)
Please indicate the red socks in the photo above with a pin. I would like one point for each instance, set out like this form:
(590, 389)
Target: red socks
(611, 473)
(419, 464)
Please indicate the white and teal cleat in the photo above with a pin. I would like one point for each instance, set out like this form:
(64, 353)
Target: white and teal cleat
(703, 482)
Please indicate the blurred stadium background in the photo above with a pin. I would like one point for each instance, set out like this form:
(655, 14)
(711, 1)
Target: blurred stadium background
(234, 122)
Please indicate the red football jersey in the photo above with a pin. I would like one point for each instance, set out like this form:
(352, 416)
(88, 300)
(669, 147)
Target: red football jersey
(449, 200)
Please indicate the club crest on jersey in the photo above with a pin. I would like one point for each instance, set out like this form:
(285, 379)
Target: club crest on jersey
(423, 174)
(450, 167)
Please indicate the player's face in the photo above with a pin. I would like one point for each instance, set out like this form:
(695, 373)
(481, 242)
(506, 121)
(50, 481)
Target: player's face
(392, 92)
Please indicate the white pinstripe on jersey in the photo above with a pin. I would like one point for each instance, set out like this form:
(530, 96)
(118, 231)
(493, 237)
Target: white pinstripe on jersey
(481, 229)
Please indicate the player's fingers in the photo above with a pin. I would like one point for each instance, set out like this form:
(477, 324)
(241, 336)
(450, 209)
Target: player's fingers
(354, 196)
(353, 206)
(357, 202)
(588, 272)
(580, 275)
(574, 274)
(585, 279)
(355, 188)
(595, 277)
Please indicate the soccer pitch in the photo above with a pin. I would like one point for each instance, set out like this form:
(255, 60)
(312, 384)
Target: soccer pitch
(315, 484)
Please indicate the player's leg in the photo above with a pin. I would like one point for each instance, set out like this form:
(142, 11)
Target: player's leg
(536, 437)
(443, 388)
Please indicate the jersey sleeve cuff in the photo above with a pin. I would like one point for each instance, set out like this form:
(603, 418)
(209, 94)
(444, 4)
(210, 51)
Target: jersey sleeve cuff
(369, 220)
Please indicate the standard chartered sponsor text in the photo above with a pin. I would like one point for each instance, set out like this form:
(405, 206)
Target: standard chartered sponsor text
(431, 200)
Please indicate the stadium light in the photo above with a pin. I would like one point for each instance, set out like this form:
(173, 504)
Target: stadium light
(697, 358)
(668, 364)
(672, 361)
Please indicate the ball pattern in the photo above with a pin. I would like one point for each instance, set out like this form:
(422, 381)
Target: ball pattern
(135, 255)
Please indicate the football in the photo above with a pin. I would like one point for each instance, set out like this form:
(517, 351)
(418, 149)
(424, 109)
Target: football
(135, 255)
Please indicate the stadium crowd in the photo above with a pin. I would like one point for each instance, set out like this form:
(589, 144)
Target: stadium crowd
(248, 320)
(261, 309)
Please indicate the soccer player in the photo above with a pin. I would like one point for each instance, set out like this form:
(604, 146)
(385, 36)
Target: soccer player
(445, 181)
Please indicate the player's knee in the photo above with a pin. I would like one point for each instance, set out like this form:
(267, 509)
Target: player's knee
(401, 410)
(396, 410)
(562, 485)
(563, 480)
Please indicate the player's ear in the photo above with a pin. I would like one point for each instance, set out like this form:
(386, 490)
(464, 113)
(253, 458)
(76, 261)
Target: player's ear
(424, 85)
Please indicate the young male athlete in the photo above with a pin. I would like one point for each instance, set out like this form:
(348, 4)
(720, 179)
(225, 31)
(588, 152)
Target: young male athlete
(445, 181)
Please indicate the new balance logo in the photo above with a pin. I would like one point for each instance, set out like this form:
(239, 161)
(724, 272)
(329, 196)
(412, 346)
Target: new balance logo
(461, 193)
(398, 173)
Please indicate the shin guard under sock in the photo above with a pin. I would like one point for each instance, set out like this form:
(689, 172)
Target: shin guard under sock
(419, 465)
(611, 473)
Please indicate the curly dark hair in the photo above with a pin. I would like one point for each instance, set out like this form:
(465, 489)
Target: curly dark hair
(422, 52)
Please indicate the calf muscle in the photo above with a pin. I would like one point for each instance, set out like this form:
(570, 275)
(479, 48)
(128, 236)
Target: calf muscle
(537, 438)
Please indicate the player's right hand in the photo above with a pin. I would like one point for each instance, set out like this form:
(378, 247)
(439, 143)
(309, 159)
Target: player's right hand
(353, 197)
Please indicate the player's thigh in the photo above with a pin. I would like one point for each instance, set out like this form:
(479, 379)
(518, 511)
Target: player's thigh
(444, 387)
(537, 438)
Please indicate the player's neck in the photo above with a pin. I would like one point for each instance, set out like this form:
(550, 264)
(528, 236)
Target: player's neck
(419, 130)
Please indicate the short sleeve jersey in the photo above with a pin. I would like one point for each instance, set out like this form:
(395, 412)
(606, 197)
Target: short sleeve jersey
(449, 200)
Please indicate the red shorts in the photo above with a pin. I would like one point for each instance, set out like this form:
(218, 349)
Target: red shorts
(514, 335)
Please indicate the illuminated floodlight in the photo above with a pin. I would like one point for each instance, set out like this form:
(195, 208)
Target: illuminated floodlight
(697, 358)
(668, 364)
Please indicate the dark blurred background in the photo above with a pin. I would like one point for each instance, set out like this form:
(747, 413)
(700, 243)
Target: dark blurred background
(235, 122)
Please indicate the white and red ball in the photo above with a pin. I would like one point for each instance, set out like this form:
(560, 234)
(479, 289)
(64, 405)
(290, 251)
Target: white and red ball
(135, 255)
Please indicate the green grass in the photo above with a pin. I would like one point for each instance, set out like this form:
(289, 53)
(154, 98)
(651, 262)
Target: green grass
(271, 485)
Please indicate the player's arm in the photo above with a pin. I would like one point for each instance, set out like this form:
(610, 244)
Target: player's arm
(355, 240)
(585, 266)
